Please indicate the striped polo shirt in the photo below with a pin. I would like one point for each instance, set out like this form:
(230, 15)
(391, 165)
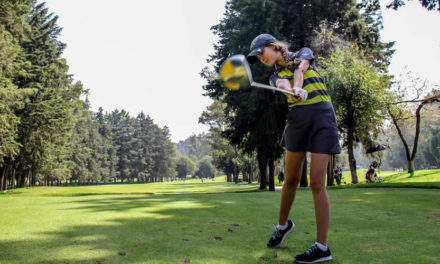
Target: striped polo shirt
(313, 83)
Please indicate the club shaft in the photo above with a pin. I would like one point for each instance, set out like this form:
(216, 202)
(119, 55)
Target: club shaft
(273, 88)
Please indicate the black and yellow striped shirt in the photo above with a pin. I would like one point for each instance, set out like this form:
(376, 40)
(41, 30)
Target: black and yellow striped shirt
(313, 83)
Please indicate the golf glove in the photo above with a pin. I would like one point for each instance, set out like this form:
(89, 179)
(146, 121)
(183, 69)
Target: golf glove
(302, 92)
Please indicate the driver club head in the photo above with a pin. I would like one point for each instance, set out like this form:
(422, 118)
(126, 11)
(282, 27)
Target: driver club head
(235, 72)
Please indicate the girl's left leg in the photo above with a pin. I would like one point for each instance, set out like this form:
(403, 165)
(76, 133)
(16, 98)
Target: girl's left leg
(318, 170)
(318, 252)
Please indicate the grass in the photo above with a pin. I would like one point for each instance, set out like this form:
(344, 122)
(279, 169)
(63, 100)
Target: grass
(421, 179)
(213, 222)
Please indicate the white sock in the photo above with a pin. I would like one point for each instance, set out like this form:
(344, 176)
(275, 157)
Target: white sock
(321, 246)
(282, 227)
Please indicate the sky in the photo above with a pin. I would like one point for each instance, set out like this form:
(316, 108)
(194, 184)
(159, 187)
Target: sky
(147, 55)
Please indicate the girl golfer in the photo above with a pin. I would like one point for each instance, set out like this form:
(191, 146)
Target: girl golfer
(310, 127)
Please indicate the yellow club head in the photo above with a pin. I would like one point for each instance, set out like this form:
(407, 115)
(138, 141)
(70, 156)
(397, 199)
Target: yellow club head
(235, 72)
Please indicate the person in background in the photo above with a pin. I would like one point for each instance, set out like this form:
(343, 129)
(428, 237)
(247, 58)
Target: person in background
(281, 177)
(338, 175)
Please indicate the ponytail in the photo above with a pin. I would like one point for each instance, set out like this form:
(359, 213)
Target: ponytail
(283, 48)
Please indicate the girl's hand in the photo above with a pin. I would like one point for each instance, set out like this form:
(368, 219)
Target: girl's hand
(285, 84)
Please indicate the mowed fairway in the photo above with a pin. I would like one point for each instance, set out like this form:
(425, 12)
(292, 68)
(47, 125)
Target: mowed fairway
(213, 222)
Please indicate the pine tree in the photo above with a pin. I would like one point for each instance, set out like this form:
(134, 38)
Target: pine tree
(164, 154)
(47, 119)
(12, 28)
(110, 159)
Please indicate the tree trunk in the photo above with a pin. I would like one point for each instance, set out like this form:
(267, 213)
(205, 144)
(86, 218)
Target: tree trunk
(271, 175)
(250, 175)
(2, 174)
(23, 180)
(416, 139)
(18, 180)
(31, 178)
(5, 183)
(330, 169)
(411, 167)
(262, 167)
(351, 159)
(411, 157)
(245, 176)
(228, 177)
(13, 179)
(235, 174)
(303, 182)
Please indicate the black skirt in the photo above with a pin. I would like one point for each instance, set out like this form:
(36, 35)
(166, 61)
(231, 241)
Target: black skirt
(311, 128)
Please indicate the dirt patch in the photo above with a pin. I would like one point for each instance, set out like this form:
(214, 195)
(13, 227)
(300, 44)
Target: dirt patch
(434, 215)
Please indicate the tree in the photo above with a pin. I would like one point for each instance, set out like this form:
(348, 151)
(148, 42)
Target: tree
(184, 167)
(195, 147)
(434, 147)
(142, 146)
(13, 99)
(205, 168)
(256, 118)
(358, 96)
(428, 4)
(46, 121)
(165, 153)
(109, 158)
(398, 113)
(83, 166)
(122, 129)
(225, 156)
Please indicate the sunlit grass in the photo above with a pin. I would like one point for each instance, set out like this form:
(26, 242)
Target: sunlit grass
(216, 185)
(421, 178)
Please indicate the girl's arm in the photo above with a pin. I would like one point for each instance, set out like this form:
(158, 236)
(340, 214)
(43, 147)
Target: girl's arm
(298, 80)
(285, 84)
(298, 74)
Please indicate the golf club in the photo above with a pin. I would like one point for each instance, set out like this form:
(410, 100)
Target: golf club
(236, 74)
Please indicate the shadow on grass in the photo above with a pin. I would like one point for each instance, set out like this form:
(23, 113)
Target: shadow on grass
(143, 229)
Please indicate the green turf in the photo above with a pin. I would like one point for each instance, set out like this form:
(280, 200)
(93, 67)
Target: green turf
(421, 179)
(214, 222)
